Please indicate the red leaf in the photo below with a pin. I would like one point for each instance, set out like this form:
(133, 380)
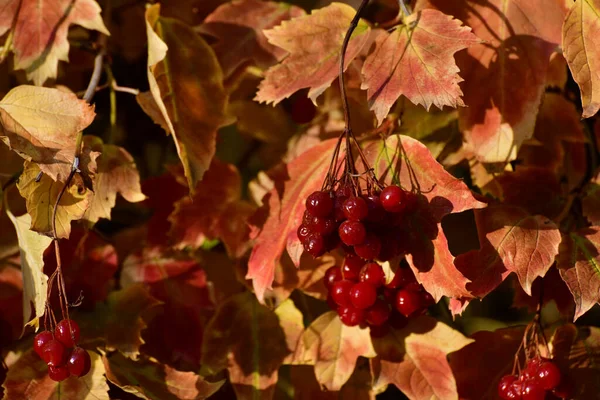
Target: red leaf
(511, 241)
(505, 75)
(239, 27)
(311, 63)
(416, 60)
(578, 266)
(283, 208)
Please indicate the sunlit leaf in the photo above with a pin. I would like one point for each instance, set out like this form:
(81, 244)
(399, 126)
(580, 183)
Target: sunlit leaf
(186, 83)
(416, 60)
(41, 125)
(311, 63)
(239, 28)
(40, 32)
(580, 30)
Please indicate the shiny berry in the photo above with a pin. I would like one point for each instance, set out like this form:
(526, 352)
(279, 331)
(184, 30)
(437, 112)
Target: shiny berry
(332, 275)
(68, 337)
(303, 233)
(410, 201)
(340, 292)
(402, 277)
(352, 232)
(408, 302)
(315, 245)
(79, 362)
(58, 374)
(40, 340)
(363, 295)
(379, 313)
(370, 248)
(372, 273)
(505, 387)
(532, 390)
(351, 267)
(54, 353)
(392, 199)
(548, 375)
(351, 316)
(319, 204)
(355, 208)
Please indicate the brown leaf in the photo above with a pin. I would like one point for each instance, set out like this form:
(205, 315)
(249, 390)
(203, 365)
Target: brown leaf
(186, 83)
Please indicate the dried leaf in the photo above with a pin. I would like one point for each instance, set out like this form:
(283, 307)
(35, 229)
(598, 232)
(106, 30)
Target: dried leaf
(40, 197)
(239, 25)
(41, 125)
(40, 32)
(311, 63)
(580, 30)
(186, 83)
(416, 60)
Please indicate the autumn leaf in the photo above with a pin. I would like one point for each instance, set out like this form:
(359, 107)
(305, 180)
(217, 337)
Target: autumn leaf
(591, 201)
(579, 32)
(511, 240)
(11, 304)
(553, 289)
(416, 60)
(186, 83)
(27, 378)
(419, 367)
(40, 197)
(578, 266)
(150, 380)
(238, 26)
(284, 209)
(314, 43)
(115, 173)
(404, 160)
(39, 38)
(32, 246)
(505, 75)
(41, 125)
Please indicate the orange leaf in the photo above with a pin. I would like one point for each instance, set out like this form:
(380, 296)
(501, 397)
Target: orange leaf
(416, 60)
(40, 32)
(314, 43)
(580, 33)
(283, 210)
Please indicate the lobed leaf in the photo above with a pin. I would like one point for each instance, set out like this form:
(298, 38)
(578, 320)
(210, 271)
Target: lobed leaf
(186, 83)
(579, 32)
(314, 44)
(416, 60)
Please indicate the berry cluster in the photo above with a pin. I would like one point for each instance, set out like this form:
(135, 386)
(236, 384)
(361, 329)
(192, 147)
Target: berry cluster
(539, 378)
(60, 351)
(359, 293)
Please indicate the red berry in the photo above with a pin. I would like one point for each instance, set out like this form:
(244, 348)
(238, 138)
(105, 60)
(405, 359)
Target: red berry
(363, 295)
(352, 232)
(303, 110)
(531, 390)
(340, 292)
(351, 316)
(379, 313)
(403, 277)
(351, 267)
(410, 201)
(376, 212)
(548, 375)
(319, 204)
(79, 362)
(370, 248)
(372, 273)
(40, 341)
(68, 337)
(355, 208)
(322, 225)
(392, 199)
(505, 387)
(315, 245)
(54, 353)
(303, 233)
(332, 275)
(408, 302)
(58, 374)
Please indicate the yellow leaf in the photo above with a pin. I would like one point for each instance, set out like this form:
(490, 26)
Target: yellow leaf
(41, 196)
(41, 125)
(186, 83)
(31, 246)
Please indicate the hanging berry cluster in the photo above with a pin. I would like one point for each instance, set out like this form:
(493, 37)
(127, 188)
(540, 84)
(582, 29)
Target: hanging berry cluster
(540, 379)
(58, 344)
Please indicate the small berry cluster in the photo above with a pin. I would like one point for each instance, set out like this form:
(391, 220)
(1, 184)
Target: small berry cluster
(359, 293)
(60, 351)
(539, 377)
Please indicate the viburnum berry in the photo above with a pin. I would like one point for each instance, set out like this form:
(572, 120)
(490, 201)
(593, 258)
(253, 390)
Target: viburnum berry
(303, 233)
(54, 353)
(351, 267)
(68, 337)
(332, 275)
(340, 292)
(392, 198)
(548, 375)
(376, 211)
(363, 295)
(319, 204)
(40, 340)
(352, 232)
(351, 316)
(372, 273)
(532, 390)
(369, 249)
(505, 387)
(379, 313)
(408, 302)
(315, 245)
(59, 373)
(79, 362)
(355, 208)
(402, 277)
